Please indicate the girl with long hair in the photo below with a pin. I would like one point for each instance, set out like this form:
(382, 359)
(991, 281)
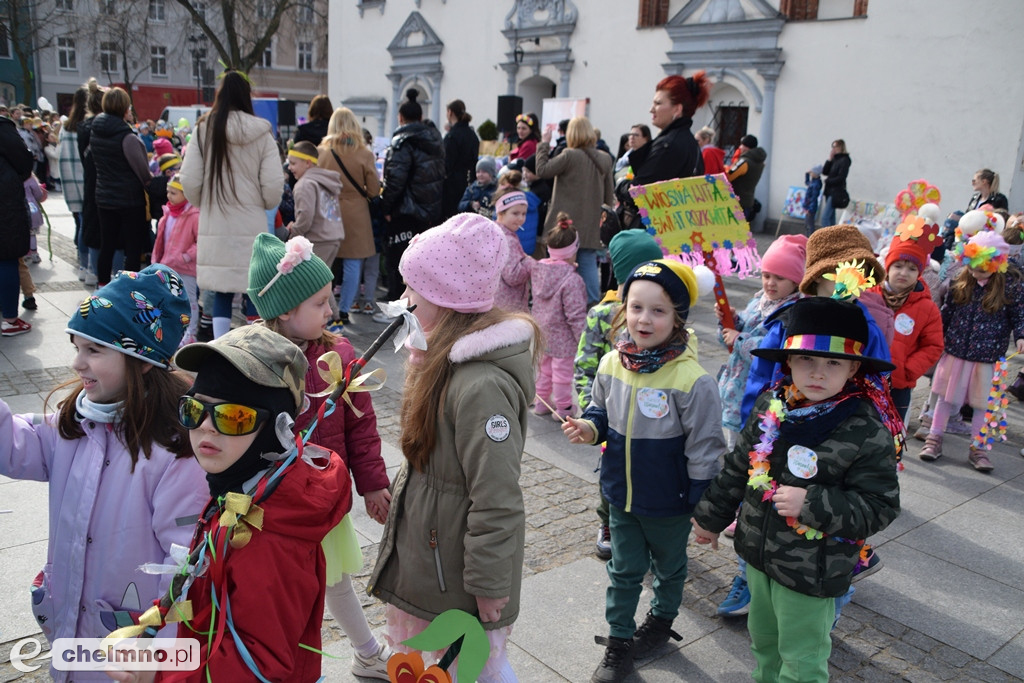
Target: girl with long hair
(232, 173)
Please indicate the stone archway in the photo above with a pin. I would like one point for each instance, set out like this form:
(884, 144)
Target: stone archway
(534, 90)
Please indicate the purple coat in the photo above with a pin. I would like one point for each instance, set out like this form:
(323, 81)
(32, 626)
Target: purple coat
(104, 521)
(559, 306)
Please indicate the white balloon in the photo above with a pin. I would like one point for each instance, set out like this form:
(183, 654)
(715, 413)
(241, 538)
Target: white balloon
(44, 104)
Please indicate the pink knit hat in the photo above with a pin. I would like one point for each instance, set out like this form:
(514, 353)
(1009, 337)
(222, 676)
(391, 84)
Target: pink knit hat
(458, 264)
(785, 257)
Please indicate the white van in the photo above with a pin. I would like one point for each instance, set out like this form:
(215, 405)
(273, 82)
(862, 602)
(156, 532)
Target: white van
(173, 114)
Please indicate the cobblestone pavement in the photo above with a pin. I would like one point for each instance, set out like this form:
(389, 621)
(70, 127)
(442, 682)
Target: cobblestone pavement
(561, 528)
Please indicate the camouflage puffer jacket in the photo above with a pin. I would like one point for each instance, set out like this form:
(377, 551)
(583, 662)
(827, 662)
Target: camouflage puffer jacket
(852, 494)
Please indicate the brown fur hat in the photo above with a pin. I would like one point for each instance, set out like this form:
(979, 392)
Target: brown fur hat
(828, 247)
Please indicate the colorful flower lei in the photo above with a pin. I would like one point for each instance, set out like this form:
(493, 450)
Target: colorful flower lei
(760, 469)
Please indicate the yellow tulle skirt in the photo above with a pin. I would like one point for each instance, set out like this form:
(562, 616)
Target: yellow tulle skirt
(341, 548)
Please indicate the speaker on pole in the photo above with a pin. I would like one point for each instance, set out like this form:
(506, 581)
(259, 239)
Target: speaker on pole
(286, 112)
(509, 107)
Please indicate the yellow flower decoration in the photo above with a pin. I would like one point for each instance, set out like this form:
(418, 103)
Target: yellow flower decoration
(850, 280)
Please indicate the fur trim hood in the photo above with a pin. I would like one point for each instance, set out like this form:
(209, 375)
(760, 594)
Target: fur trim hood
(498, 336)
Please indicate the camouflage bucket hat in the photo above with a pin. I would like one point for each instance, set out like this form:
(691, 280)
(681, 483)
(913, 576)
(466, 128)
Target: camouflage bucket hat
(265, 357)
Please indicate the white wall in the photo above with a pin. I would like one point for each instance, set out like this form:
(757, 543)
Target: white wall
(917, 89)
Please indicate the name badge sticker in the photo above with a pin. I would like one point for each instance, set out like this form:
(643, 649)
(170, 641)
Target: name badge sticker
(653, 403)
(802, 462)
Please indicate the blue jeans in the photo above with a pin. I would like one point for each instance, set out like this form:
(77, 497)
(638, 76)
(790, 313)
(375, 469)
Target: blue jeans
(586, 260)
(222, 304)
(828, 213)
(350, 276)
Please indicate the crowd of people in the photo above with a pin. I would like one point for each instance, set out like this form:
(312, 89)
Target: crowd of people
(794, 449)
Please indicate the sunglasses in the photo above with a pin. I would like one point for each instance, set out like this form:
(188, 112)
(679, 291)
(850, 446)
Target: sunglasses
(230, 419)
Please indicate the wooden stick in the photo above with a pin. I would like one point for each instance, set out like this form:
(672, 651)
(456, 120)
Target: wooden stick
(555, 412)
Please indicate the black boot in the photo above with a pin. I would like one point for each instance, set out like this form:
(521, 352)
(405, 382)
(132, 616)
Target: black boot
(651, 635)
(617, 661)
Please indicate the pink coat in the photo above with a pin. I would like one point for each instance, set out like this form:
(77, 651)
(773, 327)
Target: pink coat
(514, 287)
(104, 522)
(180, 252)
(559, 306)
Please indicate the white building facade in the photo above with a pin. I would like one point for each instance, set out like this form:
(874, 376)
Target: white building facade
(916, 88)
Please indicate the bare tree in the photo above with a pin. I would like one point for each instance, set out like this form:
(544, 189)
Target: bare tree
(241, 30)
(31, 26)
(124, 32)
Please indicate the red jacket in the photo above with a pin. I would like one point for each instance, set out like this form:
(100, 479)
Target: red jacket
(355, 439)
(917, 339)
(275, 583)
(714, 159)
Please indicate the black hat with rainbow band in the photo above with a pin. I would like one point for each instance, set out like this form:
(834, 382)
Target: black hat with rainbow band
(821, 326)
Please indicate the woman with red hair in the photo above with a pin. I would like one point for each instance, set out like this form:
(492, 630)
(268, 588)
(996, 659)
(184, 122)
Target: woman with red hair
(674, 153)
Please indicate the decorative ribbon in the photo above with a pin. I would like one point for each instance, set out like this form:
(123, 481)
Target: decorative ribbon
(411, 330)
(154, 618)
(333, 371)
(239, 515)
(994, 428)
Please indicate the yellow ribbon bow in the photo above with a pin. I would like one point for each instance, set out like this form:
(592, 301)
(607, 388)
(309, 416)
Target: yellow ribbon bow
(239, 515)
(179, 611)
(332, 371)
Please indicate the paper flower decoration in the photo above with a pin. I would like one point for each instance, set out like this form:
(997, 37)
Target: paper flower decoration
(296, 250)
(850, 280)
(918, 193)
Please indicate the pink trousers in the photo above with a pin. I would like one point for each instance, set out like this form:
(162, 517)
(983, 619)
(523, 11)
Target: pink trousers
(554, 381)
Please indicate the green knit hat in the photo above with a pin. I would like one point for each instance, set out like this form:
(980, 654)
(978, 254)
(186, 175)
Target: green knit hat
(629, 249)
(283, 275)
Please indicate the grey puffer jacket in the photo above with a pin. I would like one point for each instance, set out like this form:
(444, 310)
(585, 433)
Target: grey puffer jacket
(457, 530)
(852, 493)
(414, 174)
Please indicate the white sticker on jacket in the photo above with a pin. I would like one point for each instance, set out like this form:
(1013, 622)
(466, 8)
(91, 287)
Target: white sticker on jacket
(802, 462)
(497, 428)
(904, 324)
(652, 402)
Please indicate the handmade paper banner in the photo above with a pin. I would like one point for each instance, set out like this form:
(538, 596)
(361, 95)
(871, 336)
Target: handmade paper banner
(794, 204)
(690, 216)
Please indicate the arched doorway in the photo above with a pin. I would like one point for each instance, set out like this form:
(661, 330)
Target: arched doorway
(534, 90)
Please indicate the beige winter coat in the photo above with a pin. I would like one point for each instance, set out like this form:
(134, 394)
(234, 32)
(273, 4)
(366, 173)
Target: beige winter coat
(355, 213)
(229, 223)
(583, 181)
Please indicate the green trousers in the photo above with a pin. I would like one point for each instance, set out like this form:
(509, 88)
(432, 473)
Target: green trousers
(638, 544)
(789, 632)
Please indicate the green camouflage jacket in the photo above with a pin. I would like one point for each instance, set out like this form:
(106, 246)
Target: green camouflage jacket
(594, 343)
(852, 493)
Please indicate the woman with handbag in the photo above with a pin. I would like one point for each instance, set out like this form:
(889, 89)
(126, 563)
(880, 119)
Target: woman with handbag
(835, 171)
(344, 151)
(583, 182)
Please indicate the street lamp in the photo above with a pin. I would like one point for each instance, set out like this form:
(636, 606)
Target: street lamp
(198, 53)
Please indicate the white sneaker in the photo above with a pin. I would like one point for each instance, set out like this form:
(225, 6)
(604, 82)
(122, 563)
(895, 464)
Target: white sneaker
(81, 274)
(90, 279)
(382, 317)
(375, 666)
